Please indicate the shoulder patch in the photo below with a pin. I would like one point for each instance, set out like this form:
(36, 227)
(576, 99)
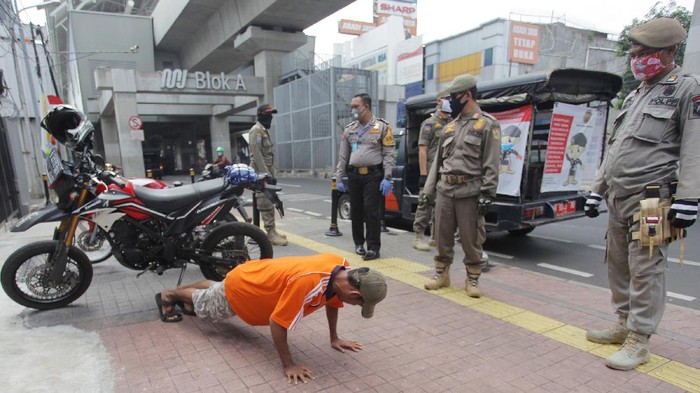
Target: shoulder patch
(388, 139)
(427, 129)
(695, 110)
(479, 125)
(496, 130)
(259, 138)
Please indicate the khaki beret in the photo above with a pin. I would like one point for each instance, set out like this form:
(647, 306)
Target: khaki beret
(658, 33)
(460, 84)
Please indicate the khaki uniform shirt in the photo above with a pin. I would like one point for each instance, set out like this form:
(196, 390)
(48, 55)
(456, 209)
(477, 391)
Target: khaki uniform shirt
(367, 146)
(430, 133)
(470, 146)
(261, 155)
(658, 128)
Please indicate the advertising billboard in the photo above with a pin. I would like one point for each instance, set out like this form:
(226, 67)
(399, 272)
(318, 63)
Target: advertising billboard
(524, 43)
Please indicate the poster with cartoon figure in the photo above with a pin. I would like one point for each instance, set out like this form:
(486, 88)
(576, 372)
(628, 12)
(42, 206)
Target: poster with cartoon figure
(574, 146)
(515, 126)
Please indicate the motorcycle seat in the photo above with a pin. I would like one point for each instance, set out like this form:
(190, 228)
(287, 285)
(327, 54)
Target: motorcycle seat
(174, 199)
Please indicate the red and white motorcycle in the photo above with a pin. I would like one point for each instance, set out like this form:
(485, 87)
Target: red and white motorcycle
(148, 229)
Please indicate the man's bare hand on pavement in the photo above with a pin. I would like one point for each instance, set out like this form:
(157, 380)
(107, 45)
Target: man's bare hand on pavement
(341, 345)
(296, 373)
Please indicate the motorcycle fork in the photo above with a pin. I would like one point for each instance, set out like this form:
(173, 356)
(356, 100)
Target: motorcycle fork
(59, 259)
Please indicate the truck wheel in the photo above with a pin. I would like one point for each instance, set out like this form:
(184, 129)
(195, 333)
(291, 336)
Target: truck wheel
(344, 207)
(521, 232)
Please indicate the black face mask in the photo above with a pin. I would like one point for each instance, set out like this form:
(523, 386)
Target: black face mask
(265, 120)
(456, 106)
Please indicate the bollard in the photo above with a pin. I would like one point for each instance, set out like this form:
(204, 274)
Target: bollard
(149, 173)
(192, 174)
(45, 179)
(256, 212)
(335, 196)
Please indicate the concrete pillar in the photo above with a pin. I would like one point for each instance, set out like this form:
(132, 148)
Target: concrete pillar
(220, 136)
(110, 139)
(691, 59)
(268, 65)
(124, 107)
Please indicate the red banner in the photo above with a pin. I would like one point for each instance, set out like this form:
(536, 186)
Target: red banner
(556, 146)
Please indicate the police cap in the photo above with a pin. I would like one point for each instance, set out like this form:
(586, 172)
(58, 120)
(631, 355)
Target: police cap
(658, 33)
(461, 83)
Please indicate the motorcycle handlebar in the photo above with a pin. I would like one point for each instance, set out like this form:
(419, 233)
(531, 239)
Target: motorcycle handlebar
(109, 178)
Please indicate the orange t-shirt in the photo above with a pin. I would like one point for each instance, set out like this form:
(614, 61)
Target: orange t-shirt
(284, 289)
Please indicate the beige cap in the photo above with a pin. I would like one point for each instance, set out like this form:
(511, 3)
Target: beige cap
(658, 33)
(372, 286)
(461, 83)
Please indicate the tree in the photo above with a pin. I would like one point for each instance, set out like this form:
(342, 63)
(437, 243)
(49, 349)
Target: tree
(671, 10)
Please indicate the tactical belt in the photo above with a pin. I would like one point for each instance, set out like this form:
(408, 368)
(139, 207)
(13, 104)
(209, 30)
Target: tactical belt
(363, 170)
(654, 226)
(454, 179)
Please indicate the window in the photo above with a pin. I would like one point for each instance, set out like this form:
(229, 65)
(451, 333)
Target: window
(429, 72)
(488, 57)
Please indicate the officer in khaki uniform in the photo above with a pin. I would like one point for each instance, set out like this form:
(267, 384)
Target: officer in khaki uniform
(657, 130)
(262, 160)
(430, 133)
(463, 182)
(367, 158)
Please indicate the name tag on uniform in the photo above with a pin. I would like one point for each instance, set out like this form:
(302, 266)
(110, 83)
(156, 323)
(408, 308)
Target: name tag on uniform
(354, 147)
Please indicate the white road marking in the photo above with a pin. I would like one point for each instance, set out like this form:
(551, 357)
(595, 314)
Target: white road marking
(691, 263)
(328, 201)
(551, 238)
(397, 230)
(679, 296)
(289, 185)
(329, 217)
(313, 213)
(597, 247)
(497, 255)
(294, 209)
(565, 270)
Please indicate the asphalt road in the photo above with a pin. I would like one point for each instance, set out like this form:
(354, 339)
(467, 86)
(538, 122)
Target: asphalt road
(573, 249)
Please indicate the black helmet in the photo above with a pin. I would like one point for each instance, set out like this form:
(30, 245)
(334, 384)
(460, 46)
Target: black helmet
(69, 126)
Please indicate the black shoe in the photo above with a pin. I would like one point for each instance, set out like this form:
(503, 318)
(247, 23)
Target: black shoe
(371, 254)
(359, 250)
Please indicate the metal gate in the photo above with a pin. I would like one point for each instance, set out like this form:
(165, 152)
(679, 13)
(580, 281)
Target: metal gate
(313, 112)
(9, 198)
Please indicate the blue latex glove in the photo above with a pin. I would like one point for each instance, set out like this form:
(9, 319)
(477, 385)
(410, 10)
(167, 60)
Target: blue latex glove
(240, 174)
(340, 186)
(386, 186)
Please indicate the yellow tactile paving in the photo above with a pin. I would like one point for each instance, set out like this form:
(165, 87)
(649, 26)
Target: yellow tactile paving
(497, 309)
(678, 374)
(534, 322)
(407, 272)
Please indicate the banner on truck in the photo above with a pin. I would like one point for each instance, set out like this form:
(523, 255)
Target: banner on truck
(573, 150)
(515, 126)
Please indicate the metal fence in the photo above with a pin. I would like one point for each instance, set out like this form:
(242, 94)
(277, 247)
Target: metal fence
(313, 111)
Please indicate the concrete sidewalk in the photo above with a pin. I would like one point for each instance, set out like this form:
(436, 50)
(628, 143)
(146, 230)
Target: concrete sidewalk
(526, 334)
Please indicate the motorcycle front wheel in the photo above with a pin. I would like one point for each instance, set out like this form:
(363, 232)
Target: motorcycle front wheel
(236, 243)
(26, 276)
(92, 240)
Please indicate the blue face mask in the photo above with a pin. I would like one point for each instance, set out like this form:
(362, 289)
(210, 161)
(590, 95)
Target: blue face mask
(507, 146)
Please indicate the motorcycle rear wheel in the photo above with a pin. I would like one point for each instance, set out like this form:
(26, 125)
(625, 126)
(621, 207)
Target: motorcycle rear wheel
(236, 242)
(25, 274)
